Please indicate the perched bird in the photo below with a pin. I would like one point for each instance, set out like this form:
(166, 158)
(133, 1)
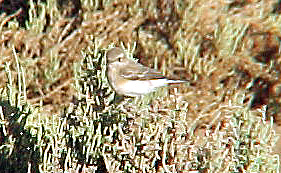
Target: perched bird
(130, 78)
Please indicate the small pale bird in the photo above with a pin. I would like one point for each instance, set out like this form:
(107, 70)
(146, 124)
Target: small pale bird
(129, 78)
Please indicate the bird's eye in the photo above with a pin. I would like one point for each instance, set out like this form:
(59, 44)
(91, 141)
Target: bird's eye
(119, 59)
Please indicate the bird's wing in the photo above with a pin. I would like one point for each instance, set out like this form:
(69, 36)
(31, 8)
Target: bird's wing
(135, 71)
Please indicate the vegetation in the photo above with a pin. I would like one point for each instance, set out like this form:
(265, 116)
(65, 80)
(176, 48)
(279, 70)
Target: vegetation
(59, 114)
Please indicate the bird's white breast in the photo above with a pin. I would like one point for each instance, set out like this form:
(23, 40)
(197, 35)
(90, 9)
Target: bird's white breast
(140, 87)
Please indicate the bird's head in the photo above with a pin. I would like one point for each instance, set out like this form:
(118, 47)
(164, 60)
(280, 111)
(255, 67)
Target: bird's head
(115, 54)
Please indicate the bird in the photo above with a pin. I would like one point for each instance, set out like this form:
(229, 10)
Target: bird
(130, 78)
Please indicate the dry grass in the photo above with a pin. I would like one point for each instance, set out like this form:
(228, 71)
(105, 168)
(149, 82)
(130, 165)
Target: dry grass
(55, 93)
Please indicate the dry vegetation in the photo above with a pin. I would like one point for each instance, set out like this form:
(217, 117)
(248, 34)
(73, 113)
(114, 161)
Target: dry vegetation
(58, 112)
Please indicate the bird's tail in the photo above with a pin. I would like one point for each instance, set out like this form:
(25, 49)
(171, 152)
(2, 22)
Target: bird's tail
(177, 81)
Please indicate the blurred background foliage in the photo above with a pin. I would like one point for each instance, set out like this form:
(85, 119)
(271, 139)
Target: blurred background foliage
(59, 114)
